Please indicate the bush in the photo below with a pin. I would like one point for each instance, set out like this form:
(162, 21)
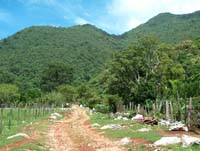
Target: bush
(102, 108)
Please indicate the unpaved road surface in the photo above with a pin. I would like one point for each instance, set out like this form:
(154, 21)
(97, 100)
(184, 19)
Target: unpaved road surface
(75, 134)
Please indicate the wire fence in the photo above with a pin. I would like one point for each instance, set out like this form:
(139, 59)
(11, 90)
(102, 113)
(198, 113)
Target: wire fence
(15, 115)
(186, 111)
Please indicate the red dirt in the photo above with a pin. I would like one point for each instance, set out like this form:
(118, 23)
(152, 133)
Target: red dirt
(16, 144)
(176, 133)
(140, 141)
(75, 134)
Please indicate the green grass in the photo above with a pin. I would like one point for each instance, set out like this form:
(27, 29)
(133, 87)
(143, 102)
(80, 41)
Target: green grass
(19, 119)
(131, 131)
(178, 147)
(31, 146)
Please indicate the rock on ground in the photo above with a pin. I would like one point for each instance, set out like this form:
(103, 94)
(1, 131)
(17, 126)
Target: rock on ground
(188, 140)
(144, 130)
(125, 141)
(178, 126)
(54, 116)
(138, 117)
(111, 126)
(164, 141)
(18, 135)
(121, 118)
(96, 125)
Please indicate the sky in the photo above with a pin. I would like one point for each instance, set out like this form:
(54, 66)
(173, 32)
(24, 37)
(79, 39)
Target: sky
(113, 16)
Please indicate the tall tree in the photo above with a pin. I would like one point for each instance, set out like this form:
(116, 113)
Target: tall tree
(9, 93)
(55, 75)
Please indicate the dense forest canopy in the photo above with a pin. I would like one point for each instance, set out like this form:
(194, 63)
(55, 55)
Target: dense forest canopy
(84, 64)
(169, 28)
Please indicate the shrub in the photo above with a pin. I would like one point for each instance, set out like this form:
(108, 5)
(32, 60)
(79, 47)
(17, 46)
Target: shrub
(102, 108)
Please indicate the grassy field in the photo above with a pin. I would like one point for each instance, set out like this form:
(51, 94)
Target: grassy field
(130, 130)
(13, 120)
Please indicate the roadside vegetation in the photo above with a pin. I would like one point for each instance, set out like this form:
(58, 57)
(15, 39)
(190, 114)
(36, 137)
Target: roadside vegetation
(141, 140)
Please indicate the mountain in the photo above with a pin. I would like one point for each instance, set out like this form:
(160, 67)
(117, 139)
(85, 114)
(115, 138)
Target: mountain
(169, 28)
(26, 54)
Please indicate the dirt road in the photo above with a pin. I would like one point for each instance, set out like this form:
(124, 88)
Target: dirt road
(75, 134)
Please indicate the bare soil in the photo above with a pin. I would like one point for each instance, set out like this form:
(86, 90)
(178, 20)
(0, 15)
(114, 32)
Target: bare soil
(76, 134)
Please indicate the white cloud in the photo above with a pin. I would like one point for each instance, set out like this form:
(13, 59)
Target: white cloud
(130, 13)
(80, 21)
(132, 23)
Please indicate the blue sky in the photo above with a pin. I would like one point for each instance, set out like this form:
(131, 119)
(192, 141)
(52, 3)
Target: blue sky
(113, 16)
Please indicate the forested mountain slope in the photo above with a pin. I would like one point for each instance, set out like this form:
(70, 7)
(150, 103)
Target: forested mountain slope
(26, 54)
(169, 28)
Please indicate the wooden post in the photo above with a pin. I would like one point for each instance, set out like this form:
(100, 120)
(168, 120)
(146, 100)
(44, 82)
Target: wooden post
(1, 119)
(25, 112)
(36, 112)
(138, 108)
(167, 110)
(10, 118)
(189, 113)
(18, 115)
(1, 126)
(1, 113)
(52, 107)
(171, 110)
(179, 107)
(29, 113)
(154, 110)
(39, 109)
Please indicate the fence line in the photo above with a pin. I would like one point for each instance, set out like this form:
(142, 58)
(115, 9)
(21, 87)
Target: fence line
(189, 112)
(14, 116)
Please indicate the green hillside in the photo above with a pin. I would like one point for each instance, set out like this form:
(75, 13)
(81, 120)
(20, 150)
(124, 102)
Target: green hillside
(169, 28)
(27, 53)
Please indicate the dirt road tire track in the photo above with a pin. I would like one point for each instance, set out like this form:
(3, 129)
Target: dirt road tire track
(75, 134)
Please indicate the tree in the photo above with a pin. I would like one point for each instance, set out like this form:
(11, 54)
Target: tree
(68, 91)
(9, 93)
(53, 98)
(55, 75)
(7, 77)
(131, 71)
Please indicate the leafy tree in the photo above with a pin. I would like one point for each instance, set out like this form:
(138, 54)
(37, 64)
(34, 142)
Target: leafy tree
(9, 94)
(131, 71)
(7, 77)
(84, 93)
(53, 98)
(69, 92)
(55, 75)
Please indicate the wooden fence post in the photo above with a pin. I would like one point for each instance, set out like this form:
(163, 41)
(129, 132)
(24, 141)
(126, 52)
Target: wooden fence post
(154, 110)
(35, 112)
(167, 110)
(1, 119)
(18, 114)
(171, 110)
(1, 126)
(189, 113)
(138, 108)
(10, 118)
